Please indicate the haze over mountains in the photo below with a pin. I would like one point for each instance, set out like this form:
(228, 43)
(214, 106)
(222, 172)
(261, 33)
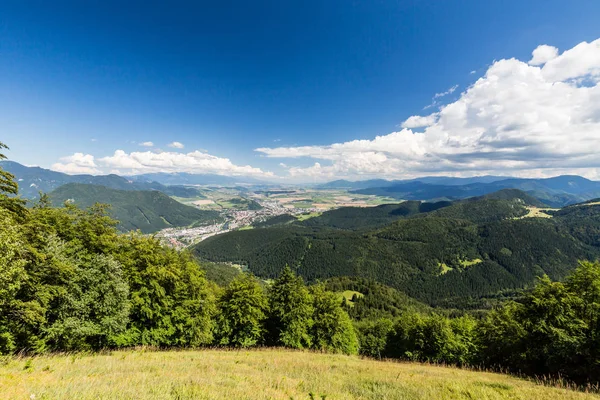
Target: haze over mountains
(554, 192)
(32, 180)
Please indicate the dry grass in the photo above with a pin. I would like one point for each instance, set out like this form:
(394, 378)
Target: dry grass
(256, 374)
(596, 203)
(535, 212)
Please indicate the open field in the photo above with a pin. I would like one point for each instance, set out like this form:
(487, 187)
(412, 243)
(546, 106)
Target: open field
(256, 374)
(596, 203)
(325, 199)
(535, 212)
(304, 217)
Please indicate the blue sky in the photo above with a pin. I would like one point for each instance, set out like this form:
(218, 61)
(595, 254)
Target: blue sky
(310, 84)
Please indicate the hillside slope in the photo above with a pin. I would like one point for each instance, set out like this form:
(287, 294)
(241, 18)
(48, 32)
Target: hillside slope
(148, 211)
(32, 180)
(254, 375)
(471, 248)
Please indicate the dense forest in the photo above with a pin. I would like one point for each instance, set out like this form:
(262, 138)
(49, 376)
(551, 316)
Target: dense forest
(145, 210)
(439, 253)
(69, 281)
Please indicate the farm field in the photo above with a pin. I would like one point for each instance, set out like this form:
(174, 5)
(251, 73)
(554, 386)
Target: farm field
(220, 199)
(255, 374)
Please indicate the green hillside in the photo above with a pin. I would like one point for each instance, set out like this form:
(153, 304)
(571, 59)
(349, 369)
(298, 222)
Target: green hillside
(368, 217)
(469, 249)
(32, 180)
(148, 211)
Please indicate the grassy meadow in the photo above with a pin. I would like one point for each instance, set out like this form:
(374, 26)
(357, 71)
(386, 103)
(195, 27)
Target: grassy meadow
(254, 374)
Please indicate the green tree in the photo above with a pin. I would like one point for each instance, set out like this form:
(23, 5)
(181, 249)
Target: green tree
(242, 313)
(585, 283)
(553, 330)
(373, 336)
(9, 189)
(332, 329)
(291, 311)
(434, 338)
(92, 305)
(171, 301)
(12, 276)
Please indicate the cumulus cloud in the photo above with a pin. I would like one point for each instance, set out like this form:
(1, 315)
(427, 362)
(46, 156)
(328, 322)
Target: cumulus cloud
(417, 121)
(147, 144)
(534, 118)
(77, 163)
(176, 145)
(122, 162)
(542, 54)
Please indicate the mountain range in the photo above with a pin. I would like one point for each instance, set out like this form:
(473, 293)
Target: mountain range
(554, 192)
(184, 178)
(32, 180)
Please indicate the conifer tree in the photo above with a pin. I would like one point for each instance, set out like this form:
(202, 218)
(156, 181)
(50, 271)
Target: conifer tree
(9, 189)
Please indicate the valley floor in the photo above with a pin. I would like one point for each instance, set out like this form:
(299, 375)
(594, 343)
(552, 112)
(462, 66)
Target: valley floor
(253, 374)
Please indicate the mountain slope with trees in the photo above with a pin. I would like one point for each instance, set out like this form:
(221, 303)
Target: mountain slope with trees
(70, 282)
(467, 249)
(148, 211)
(33, 180)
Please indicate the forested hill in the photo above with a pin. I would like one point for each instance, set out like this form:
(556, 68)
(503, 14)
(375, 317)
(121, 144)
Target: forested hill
(469, 248)
(148, 211)
(32, 180)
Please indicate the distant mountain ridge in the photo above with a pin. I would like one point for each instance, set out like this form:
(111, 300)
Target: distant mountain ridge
(32, 180)
(436, 180)
(555, 192)
(185, 178)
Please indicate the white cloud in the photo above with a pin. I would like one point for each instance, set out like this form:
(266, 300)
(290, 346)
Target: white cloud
(416, 121)
(446, 93)
(542, 54)
(579, 63)
(193, 162)
(147, 144)
(176, 145)
(77, 163)
(435, 99)
(122, 162)
(518, 119)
